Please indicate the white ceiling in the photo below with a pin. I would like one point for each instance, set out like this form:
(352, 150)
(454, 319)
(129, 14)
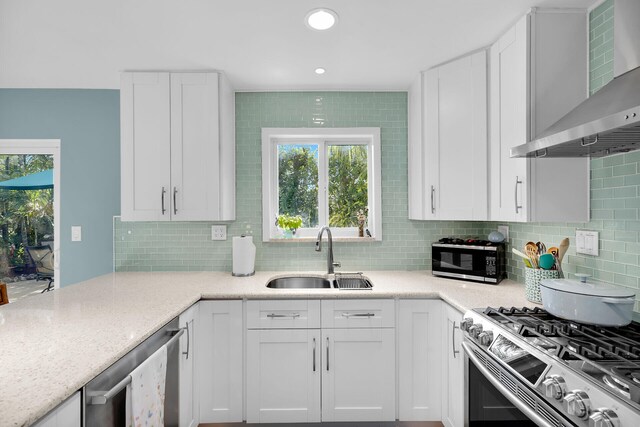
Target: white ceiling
(260, 44)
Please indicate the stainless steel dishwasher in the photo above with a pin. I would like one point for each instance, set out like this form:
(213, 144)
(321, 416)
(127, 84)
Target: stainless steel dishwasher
(104, 397)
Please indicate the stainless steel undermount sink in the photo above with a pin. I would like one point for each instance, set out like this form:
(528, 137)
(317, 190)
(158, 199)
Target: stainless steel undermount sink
(300, 282)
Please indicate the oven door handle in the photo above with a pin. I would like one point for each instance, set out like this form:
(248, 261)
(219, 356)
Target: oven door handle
(533, 416)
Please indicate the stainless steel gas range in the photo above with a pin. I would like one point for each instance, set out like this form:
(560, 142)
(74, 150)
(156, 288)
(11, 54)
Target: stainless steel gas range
(549, 371)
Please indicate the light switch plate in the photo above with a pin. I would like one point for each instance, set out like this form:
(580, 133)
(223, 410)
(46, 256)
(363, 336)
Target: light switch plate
(218, 232)
(587, 242)
(76, 233)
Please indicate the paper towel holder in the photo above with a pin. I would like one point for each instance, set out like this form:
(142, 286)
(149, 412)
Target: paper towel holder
(244, 275)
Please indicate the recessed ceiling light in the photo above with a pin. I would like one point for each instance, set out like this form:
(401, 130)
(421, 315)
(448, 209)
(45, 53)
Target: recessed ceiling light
(321, 19)
(320, 70)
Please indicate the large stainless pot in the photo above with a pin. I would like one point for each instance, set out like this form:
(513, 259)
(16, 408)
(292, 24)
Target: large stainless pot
(592, 303)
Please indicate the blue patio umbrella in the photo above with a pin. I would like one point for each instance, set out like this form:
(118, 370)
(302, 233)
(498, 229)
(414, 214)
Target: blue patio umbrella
(34, 181)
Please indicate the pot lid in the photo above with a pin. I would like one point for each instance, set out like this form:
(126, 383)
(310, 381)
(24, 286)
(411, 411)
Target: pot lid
(591, 288)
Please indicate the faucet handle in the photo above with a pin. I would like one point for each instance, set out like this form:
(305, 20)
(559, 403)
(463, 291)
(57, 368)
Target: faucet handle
(337, 264)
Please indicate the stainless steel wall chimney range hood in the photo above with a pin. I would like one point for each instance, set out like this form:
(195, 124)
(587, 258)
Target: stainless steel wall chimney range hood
(609, 121)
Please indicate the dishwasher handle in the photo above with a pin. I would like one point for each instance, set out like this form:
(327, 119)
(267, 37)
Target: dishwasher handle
(101, 397)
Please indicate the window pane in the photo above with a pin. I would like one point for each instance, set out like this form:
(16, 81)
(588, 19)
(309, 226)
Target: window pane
(348, 184)
(298, 182)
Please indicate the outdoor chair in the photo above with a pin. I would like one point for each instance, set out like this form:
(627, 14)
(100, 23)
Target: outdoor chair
(42, 257)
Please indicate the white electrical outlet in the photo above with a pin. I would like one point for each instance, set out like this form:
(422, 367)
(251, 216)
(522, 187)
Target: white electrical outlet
(587, 242)
(218, 232)
(504, 230)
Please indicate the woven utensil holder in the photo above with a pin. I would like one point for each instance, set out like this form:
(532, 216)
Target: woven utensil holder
(532, 278)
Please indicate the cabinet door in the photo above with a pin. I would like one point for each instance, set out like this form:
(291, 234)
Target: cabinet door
(67, 414)
(453, 369)
(283, 375)
(195, 147)
(219, 356)
(145, 147)
(419, 359)
(358, 375)
(510, 122)
(456, 139)
(188, 392)
(416, 180)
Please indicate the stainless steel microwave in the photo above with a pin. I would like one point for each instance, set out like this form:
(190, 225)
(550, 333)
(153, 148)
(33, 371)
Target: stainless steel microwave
(474, 260)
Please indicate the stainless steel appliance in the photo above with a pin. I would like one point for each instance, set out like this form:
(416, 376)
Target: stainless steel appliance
(104, 396)
(469, 259)
(608, 122)
(537, 369)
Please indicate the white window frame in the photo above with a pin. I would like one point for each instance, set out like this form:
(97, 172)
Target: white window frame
(49, 147)
(324, 137)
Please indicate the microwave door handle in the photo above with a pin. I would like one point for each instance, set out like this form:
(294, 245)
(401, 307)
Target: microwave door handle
(531, 414)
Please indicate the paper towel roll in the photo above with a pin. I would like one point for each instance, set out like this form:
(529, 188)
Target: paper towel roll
(244, 256)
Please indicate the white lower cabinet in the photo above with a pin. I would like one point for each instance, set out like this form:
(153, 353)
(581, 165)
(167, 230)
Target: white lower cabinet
(358, 375)
(452, 369)
(67, 414)
(419, 359)
(189, 408)
(283, 375)
(301, 373)
(219, 356)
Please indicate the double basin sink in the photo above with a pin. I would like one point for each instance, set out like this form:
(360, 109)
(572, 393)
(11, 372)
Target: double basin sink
(312, 282)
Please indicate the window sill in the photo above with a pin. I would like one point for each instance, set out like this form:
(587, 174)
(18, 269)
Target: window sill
(313, 239)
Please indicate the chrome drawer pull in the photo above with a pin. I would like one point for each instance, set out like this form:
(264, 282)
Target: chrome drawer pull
(292, 315)
(358, 315)
(314, 355)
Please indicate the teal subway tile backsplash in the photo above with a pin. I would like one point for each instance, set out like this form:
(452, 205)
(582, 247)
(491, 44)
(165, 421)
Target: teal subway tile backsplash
(600, 46)
(161, 246)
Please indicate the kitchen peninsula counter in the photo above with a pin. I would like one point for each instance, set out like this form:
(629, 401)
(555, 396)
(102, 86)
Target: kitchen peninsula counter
(53, 344)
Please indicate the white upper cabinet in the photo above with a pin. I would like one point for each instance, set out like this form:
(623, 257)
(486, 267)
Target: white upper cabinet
(538, 73)
(178, 147)
(448, 176)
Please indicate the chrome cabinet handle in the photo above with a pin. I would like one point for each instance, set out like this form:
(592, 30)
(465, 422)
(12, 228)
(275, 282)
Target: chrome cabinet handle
(518, 207)
(314, 354)
(175, 206)
(453, 340)
(186, 353)
(433, 207)
(162, 197)
(292, 315)
(327, 354)
(358, 315)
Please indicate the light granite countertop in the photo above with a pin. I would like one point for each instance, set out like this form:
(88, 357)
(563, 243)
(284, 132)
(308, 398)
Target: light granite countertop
(53, 344)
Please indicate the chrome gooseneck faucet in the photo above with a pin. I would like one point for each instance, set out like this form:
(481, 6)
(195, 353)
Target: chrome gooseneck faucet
(330, 263)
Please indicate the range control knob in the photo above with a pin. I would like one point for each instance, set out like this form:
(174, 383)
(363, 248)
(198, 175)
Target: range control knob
(475, 329)
(485, 338)
(466, 323)
(554, 387)
(577, 404)
(604, 418)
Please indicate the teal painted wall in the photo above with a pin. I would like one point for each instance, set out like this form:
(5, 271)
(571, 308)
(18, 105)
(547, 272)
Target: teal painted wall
(157, 246)
(88, 124)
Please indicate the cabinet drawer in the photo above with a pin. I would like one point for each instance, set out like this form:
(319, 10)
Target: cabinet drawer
(358, 313)
(291, 314)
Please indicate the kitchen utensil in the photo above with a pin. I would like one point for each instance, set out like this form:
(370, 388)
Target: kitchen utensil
(547, 261)
(525, 258)
(592, 303)
(532, 253)
(542, 249)
(562, 249)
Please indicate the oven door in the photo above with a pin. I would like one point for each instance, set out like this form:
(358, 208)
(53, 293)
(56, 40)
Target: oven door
(496, 397)
(465, 262)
